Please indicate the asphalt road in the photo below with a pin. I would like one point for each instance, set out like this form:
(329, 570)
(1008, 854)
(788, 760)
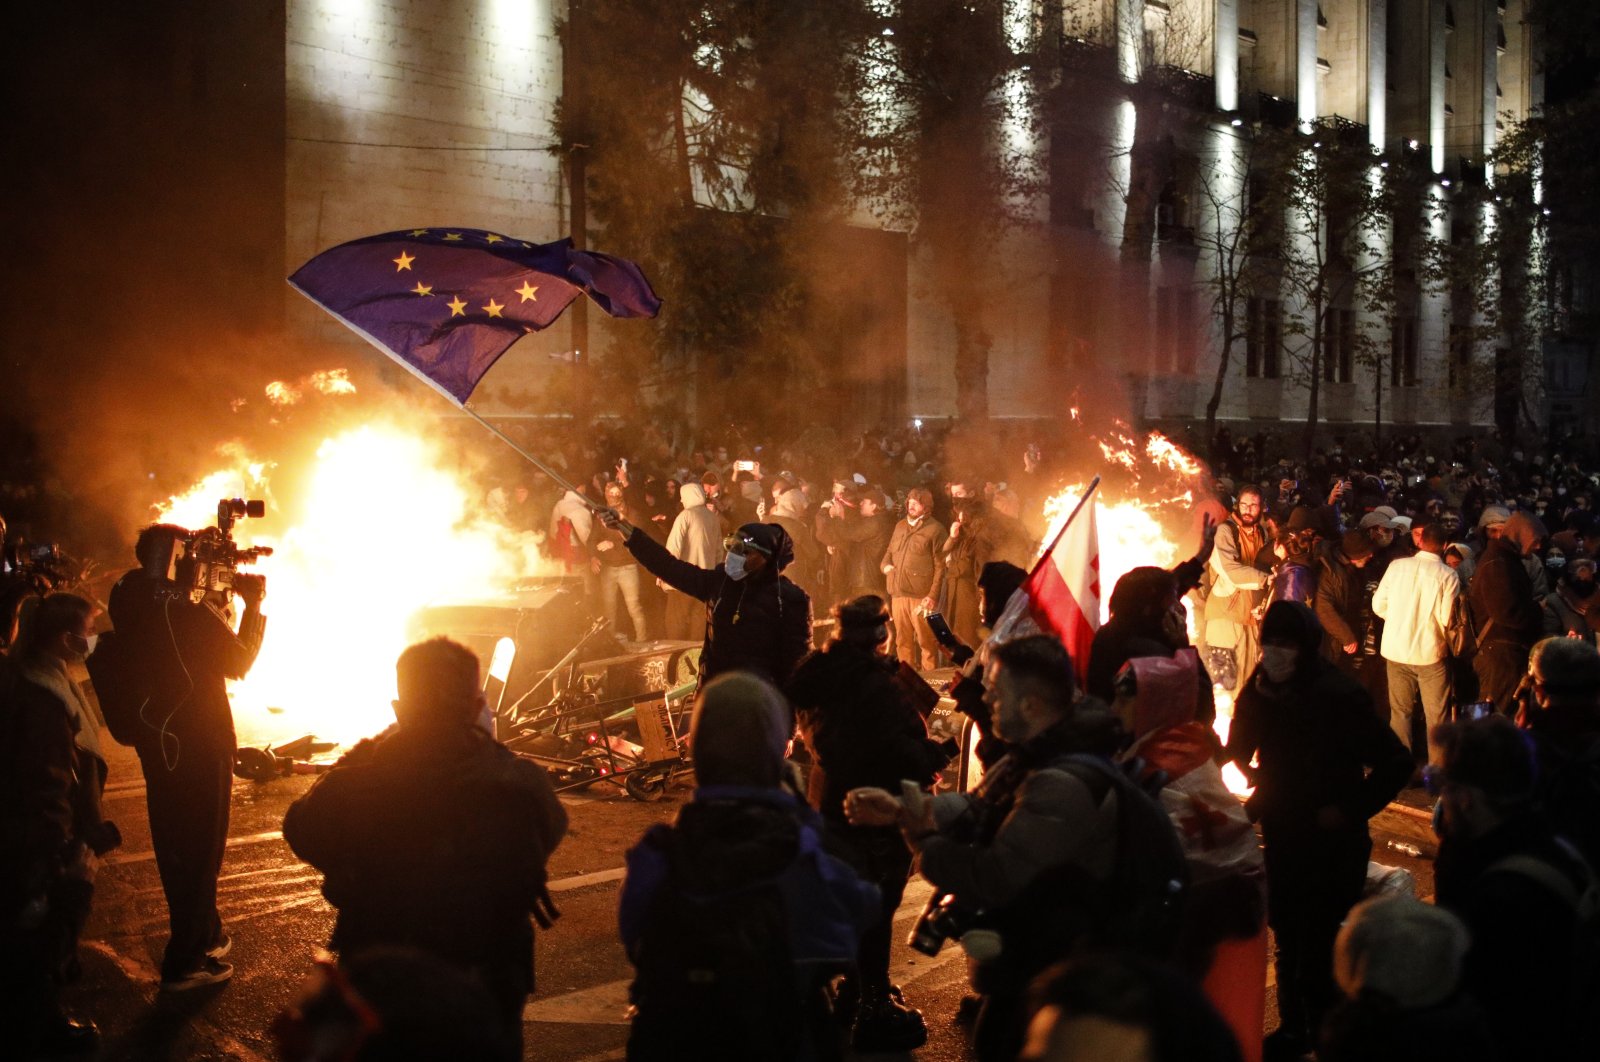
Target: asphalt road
(272, 906)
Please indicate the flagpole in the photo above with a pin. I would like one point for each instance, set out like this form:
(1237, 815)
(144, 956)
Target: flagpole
(1093, 484)
(560, 480)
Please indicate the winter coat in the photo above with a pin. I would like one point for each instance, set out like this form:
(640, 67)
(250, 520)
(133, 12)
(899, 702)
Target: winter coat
(730, 836)
(435, 839)
(789, 513)
(860, 722)
(1502, 594)
(1343, 605)
(917, 554)
(1524, 962)
(189, 652)
(1319, 741)
(696, 535)
(760, 623)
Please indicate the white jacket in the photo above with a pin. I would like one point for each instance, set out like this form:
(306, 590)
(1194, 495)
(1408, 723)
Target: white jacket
(1414, 600)
(696, 534)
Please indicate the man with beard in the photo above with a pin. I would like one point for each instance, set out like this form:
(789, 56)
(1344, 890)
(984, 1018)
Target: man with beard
(1570, 609)
(1505, 611)
(1240, 566)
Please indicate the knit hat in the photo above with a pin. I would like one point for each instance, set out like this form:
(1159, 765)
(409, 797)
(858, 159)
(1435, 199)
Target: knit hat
(740, 731)
(1402, 949)
(772, 540)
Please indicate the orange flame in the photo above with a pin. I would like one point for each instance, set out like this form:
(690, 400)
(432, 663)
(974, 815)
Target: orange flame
(382, 528)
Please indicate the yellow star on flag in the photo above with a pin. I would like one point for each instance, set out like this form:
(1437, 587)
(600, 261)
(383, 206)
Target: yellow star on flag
(423, 289)
(419, 232)
(492, 238)
(527, 292)
(493, 309)
(452, 235)
(457, 307)
(403, 262)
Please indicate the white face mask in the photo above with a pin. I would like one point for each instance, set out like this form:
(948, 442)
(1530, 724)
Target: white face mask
(1278, 661)
(734, 566)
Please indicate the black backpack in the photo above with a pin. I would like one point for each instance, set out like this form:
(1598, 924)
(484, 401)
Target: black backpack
(715, 977)
(121, 686)
(1148, 892)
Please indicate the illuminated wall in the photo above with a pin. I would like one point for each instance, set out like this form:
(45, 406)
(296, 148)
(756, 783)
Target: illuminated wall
(435, 112)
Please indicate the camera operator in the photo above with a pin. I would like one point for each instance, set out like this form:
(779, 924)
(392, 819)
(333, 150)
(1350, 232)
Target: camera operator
(185, 740)
(1030, 856)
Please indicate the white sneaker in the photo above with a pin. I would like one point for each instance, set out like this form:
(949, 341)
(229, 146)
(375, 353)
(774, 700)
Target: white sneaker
(220, 949)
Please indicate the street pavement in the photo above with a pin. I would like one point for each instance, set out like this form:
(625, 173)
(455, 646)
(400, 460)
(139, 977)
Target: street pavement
(272, 906)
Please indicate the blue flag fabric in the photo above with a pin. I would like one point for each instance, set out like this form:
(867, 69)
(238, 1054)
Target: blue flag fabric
(447, 302)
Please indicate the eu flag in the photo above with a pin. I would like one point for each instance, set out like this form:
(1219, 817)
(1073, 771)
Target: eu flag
(446, 303)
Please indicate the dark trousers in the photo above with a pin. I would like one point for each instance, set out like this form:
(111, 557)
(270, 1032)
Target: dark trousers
(38, 955)
(188, 806)
(1500, 667)
(881, 857)
(1313, 879)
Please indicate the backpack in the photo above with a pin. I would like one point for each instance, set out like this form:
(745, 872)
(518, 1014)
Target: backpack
(121, 686)
(714, 970)
(1149, 885)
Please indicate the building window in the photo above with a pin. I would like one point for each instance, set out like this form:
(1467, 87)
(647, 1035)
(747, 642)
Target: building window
(1403, 352)
(1339, 346)
(1263, 338)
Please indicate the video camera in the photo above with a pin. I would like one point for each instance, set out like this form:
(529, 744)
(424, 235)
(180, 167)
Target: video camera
(205, 564)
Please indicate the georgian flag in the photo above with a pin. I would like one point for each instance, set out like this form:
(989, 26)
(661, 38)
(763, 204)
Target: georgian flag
(1062, 593)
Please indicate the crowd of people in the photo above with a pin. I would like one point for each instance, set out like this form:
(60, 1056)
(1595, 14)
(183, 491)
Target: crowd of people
(1377, 622)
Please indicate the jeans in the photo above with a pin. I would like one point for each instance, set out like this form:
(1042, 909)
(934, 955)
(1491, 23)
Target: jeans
(1405, 681)
(623, 579)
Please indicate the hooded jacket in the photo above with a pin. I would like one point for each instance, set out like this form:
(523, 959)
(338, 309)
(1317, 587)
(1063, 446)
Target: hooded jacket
(1317, 737)
(1502, 593)
(696, 535)
(761, 623)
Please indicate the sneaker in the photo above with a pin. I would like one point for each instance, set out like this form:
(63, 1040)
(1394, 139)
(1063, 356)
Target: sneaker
(220, 949)
(887, 1025)
(209, 972)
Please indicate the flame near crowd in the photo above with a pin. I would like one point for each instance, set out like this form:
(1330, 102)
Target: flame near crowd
(383, 524)
(380, 527)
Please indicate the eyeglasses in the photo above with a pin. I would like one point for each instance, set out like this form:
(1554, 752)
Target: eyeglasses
(741, 545)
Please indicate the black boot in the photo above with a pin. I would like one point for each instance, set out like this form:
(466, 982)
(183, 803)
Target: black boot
(885, 1024)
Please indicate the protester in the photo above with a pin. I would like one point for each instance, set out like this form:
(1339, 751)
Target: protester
(1525, 895)
(695, 538)
(1039, 850)
(1343, 605)
(433, 835)
(1570, 609)
(1398, 964)
(1239, 571)
(759, 620)
(734, 916)
(619, 575)
(1417, 601)
(1505, 610)
(1563, 715)
(1121, 1007)
(51, 827)
(185, 740)
(1326, 766)
(861, 714)
(914, 566)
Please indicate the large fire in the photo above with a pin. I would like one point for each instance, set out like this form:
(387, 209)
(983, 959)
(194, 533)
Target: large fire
(1141, 523)
(380, 527)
